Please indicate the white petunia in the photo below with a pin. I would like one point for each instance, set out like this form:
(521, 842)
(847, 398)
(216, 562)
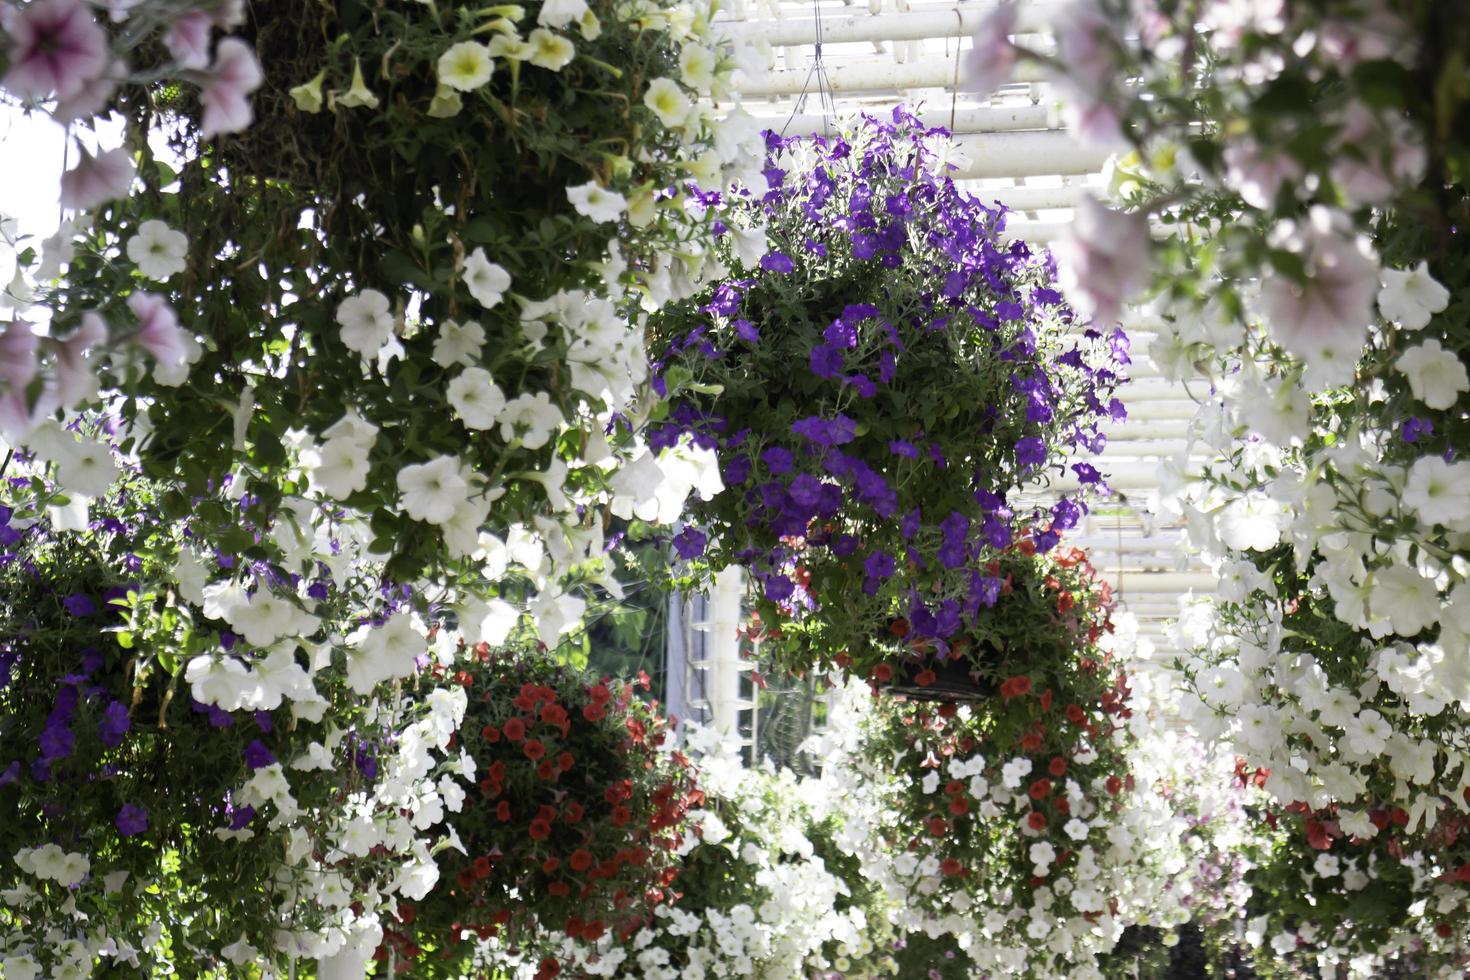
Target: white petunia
(358, 96)
(1406, 599)
(383, 653)
(750, 245)
(366, 321)
(432, 491)
(530, 418)
(88, 469)
(550, 50)
(487, 621)
(1042, 855)
(1436, 376)
(280, 677)
(466, 66)
(1410, 297)
(83, 467)
(1439, 492)
(338, 467)
(266, 617)
(223, 682)
(560, 13)
(20, 966)
(158, 251)
(667, 101)
(66, 868)
(1251, 522)
(697, 65)
(240, 952)
(486, 281)
(556, 614)
(459, 344)
(596, 202)
(476, 397)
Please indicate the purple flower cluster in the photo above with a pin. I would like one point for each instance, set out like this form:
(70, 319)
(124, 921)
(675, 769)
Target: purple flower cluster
(891, 372)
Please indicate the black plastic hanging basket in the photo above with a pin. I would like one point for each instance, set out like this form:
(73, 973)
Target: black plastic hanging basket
(956, 679)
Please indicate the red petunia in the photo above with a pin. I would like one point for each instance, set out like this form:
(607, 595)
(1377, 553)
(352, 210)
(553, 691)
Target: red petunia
(540, 830)
(502, 810)
(1015, 687)
(882, 673)
(565, 761)
(1040, 789)
(573, 812)
(580, 860)
(925, 677)
(515, 729)
(593, 712)
(1058, 767)
(533, 749)
(490, 733)
(951, 867)
(938, 826)
(1036, 820)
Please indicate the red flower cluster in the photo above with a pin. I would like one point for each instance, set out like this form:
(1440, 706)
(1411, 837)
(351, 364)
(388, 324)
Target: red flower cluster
(578, 813)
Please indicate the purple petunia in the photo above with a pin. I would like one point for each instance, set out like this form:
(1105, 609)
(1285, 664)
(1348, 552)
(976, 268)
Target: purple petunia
(826, 432)
(777, 262)
(1086, 473)
(257, 756)
(1416, 428)
(79, 605)
(131, 819)
(1030, 452)
(826, 361)
(114, 724)
(877, 566)
(1064, 514)
(777, 459)
(690, 543)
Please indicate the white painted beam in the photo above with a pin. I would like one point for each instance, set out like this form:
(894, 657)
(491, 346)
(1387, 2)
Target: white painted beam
(992, 119)
(917, 25)
(872, 77)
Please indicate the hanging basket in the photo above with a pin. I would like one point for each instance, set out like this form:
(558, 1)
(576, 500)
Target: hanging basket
(956, 679)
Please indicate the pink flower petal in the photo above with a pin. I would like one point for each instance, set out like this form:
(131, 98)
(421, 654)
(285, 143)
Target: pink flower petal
(56, 48)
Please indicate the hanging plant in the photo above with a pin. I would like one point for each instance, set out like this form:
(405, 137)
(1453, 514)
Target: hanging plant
(878, 377)
(575, 819)
(406, 289)
(157, 763)
(1000, 811)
